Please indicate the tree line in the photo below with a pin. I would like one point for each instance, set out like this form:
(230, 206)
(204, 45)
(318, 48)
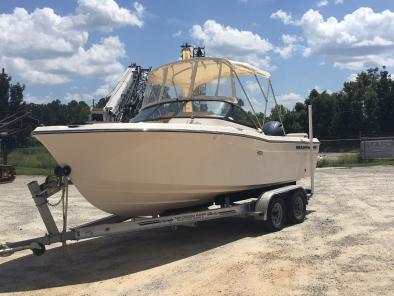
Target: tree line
(53, 113)
(364, 106)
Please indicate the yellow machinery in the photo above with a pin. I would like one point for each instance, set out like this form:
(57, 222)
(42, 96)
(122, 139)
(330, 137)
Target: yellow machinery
(186, 53)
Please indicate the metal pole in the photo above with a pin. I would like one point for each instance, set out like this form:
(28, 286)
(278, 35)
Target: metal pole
(276, 104)
(250, 102)
(311, 149)
(266, 104)
(4, 151)
(265, 98)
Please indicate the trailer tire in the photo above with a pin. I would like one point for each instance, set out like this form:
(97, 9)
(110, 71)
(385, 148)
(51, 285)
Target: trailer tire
(296, 207)
(40, 250)
(276, 214)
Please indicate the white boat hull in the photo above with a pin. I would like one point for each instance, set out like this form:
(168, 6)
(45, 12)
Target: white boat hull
(144, 169)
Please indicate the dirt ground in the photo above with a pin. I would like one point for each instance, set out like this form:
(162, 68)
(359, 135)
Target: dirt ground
(345, 247)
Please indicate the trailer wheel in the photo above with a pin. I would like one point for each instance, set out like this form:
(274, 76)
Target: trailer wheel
(296, 209)
(275, 215)
(39, 250)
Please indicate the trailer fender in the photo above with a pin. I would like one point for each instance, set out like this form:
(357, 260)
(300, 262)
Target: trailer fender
(265, 198)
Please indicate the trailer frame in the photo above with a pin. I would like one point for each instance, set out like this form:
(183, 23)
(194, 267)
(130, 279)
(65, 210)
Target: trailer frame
(256, 208)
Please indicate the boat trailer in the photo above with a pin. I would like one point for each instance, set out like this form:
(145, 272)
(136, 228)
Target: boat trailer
(268, 207)
(273, 207)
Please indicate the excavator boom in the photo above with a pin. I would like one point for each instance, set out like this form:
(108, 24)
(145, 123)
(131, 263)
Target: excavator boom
(126, 98)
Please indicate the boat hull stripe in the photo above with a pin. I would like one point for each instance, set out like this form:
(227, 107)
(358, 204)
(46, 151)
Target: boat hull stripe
(36, 133)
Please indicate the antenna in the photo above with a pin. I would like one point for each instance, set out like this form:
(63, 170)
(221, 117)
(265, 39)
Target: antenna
(186, 52)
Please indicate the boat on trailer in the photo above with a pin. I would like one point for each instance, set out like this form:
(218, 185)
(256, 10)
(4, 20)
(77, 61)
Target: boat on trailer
(196, 140)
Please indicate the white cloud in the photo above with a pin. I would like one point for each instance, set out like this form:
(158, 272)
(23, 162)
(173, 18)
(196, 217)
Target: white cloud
(40, 34)
(177, 34)
(100, 60)
(322, 3)
(285, 17)
(252, 87)
(290, 45)
(286, 51)
(37, 100)
(106, 14)
(352, 77)
(306, 52)
(289, 99)
(289, 39)
(43, 47)
(361, 39)
(88, 98)
(102, 91)
(320, 90)
(338, 1)
(233, 43)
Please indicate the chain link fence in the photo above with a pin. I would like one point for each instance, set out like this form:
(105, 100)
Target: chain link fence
(355, 150)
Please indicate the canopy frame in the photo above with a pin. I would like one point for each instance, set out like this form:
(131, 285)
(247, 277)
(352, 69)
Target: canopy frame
(233, 72)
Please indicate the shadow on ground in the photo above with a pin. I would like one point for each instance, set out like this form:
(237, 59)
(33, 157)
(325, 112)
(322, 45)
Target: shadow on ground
(105, 258)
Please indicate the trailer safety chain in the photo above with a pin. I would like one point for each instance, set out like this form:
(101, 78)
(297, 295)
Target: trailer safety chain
(58, 202)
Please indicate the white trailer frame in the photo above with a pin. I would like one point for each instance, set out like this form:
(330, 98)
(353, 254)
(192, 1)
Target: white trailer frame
(254, 207)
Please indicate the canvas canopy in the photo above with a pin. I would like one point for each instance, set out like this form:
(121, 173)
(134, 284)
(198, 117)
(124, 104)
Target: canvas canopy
(197, 77)
(180, 73)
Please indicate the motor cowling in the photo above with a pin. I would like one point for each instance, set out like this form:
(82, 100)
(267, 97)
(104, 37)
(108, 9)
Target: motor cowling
(273, 128)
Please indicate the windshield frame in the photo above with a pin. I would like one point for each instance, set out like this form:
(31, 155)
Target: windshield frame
(186, 74)
(184, 101)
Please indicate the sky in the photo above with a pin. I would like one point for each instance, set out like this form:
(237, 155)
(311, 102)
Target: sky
(78, 49)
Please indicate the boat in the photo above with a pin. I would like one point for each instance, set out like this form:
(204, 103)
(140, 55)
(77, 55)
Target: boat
(196, 139)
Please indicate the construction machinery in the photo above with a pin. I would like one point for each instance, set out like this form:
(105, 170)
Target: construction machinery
(125, 99)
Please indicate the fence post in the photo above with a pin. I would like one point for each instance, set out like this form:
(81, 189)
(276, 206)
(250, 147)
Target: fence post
(311, 149)
(4, 151)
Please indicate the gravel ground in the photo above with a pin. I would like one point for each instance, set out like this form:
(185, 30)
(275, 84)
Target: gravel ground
(345, 247)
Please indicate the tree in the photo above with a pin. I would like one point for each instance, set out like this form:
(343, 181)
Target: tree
(385, 102)
(278, 112)
(102, 102)
(365, 105)
(4, 93)
(11, 95)
(77, 112)
(16, 98)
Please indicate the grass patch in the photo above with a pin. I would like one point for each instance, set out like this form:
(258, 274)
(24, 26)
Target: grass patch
(33, 171)
(353, 160)
(34, 160)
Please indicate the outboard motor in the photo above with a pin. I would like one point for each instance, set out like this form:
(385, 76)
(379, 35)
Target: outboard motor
(273, 128)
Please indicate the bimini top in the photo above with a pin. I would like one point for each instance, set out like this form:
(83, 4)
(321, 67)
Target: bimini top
(197, 78)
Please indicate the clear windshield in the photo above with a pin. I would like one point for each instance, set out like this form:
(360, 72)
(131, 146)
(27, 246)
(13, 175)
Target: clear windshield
(210, 79)
(195, 109)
